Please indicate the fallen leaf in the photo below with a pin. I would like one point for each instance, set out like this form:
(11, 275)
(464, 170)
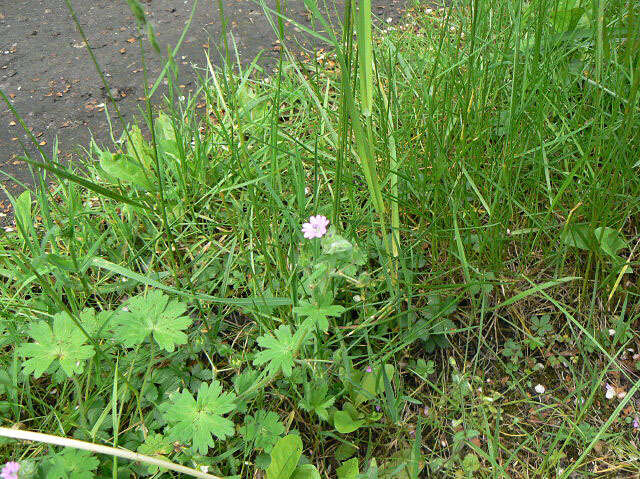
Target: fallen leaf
(131, 40)
(476, 441)
(123, 50)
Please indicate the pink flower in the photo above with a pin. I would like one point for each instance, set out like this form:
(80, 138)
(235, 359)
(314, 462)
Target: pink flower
(636, 423)
(10, 470)
(316, 227)
(369, 370)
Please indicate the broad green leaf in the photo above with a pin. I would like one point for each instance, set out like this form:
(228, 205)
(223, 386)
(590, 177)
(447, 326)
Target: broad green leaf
(22, 210)
(578, 236)
(372, 472)
(155, 445)
(197, 421)
(333, 243)
(125, 169)
(372, 383)
(95, 324)
(344, 451)
(244, 381)
(349, 469)
(64, 343)
(165, 135)
(306, 471)
(153, 314)
(59, 171)
(284, 457)
(610, 240)
(345, 424)
(138, 148)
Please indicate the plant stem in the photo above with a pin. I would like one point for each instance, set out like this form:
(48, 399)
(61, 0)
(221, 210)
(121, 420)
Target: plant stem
(100, 449)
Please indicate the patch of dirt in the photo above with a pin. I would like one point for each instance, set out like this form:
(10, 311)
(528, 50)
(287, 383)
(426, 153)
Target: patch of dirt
(48, 74)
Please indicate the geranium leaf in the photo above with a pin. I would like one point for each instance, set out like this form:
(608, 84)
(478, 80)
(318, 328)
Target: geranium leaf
(153, 314)
(279, 350)
(263, 430)
(64, 343)
(198, 420)
(319, 314)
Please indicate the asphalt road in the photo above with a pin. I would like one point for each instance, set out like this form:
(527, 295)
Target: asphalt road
(50, 79)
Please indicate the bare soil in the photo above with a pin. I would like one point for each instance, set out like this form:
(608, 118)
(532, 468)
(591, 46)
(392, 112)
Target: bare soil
(46, 70)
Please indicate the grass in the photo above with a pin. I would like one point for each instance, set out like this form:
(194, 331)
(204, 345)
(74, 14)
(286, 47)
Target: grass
(480, 169)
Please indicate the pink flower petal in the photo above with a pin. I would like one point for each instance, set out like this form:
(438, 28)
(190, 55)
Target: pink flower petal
(316, 227)
(10, 470)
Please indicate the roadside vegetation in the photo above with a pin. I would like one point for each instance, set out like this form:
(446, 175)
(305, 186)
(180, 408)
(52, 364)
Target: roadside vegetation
(411, 253)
